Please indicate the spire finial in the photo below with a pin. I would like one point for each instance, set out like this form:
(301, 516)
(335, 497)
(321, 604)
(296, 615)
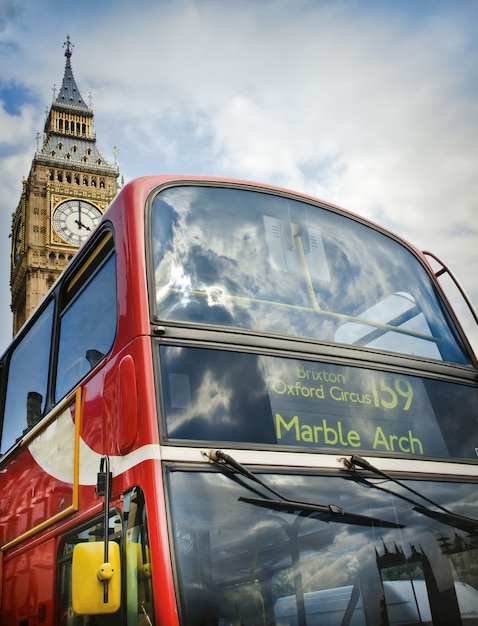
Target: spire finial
(69, 47)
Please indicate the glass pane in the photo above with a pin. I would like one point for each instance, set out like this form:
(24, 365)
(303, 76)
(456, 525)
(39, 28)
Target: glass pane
(264, 262)
(88, 328)
(240, 563)
(137, 562)
(214, 395)
(27, 380)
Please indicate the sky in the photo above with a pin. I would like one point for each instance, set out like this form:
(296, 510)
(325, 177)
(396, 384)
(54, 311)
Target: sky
(368, 104)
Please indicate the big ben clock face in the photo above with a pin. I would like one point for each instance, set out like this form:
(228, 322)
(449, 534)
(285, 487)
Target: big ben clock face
(74, 220)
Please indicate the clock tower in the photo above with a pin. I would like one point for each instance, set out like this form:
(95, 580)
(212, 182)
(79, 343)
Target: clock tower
(69, 186)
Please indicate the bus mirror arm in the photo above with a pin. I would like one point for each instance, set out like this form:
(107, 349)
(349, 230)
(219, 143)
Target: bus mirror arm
(102, 596)
(103, 488)
(104, 479)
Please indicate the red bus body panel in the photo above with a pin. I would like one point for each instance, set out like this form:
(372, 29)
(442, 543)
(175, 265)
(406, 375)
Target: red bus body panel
(118, 418)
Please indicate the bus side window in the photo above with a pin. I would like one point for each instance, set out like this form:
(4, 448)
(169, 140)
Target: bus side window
(27, 379)
(88, 318)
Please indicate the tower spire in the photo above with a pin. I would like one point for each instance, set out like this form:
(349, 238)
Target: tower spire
(69, 47)
(69, 94)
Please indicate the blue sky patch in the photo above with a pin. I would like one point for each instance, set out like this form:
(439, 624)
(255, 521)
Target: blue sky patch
(14, 96)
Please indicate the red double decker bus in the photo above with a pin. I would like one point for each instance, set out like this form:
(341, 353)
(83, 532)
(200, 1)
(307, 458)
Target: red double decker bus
(239, 406)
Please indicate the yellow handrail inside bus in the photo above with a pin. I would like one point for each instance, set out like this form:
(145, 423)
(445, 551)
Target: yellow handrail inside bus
(297, 238)
(297, 307)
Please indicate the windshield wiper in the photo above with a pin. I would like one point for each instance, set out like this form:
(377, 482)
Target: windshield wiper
(461, 522)
(324, 512)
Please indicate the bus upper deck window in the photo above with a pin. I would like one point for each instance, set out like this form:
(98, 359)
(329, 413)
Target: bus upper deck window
(88, 318)
(27, 379)
(273, 264)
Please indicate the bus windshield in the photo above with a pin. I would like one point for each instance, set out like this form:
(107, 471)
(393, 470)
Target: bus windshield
(273, 264)
(381, 562)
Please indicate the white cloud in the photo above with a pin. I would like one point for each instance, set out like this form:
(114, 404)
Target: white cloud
(371, 107)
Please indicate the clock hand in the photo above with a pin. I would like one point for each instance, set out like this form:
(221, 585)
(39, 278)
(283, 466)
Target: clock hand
(81, 225)
(78, 221)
